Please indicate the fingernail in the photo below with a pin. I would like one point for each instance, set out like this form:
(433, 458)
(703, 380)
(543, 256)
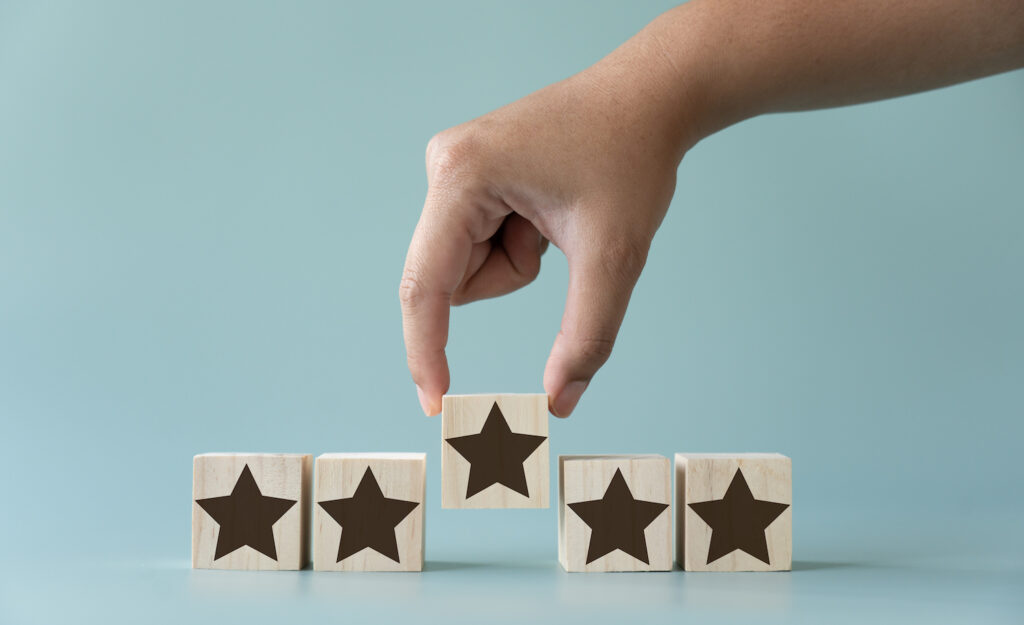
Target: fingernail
(424, 402)
(569, 397)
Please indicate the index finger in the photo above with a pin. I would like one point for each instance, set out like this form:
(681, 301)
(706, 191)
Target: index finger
(437, 258)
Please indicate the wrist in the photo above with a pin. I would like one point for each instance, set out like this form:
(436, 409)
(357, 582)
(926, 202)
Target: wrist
(681, 73)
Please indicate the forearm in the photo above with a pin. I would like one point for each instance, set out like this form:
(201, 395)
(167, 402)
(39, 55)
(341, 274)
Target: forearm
(589, 163)
(727, 60)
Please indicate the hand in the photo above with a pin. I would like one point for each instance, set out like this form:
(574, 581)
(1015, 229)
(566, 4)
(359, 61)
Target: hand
(588, 164)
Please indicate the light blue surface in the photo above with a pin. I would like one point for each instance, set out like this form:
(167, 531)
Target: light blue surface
(204, 209)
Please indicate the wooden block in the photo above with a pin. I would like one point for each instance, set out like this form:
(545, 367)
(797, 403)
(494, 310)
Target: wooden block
(494, 451)
(369, 512)
(251, 511)
(734, 512)
(614, 513)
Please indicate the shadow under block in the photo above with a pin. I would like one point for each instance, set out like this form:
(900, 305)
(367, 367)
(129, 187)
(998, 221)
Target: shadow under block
(614, 513)
(369, 512)
(251, 511)
(734, 512)
(494, 451)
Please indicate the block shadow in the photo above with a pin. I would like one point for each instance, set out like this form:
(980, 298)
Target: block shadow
(431, 566)
(819, 565)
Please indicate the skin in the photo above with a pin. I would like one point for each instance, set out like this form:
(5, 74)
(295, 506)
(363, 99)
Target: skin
(589, 163)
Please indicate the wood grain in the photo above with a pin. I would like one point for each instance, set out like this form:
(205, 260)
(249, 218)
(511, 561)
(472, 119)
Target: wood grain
(584, 478)
(400, 476)
(705, 477)
(463, 415)
(287, 476)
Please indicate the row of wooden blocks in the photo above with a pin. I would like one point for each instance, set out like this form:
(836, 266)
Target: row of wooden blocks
(253, 511)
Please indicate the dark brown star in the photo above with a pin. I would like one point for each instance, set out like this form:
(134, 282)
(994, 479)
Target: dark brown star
(496, 454)
(368, 519)
(245, 517)
(738, 521)
(618, 521)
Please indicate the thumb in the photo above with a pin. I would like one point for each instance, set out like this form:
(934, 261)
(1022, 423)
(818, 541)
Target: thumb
(600, 285)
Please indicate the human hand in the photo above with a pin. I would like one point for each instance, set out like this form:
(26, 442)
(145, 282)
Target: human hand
(588, 164)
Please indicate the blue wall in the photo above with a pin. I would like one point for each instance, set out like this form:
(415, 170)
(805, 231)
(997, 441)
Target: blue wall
(204, 210)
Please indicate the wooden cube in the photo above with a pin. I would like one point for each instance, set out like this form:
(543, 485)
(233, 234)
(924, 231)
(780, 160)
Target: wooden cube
(494, 451)
(734, 512)
(614, 513)
(369, 512)
(251, 511)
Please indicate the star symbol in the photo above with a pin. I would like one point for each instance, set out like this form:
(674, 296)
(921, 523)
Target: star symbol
(738, 521)
(245, 517)
(368, 519)
(618, 521)
(496, 454)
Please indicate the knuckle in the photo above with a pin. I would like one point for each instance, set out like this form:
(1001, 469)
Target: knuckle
(434, 145)
(450, 154)
(595, 350)
(410, 291)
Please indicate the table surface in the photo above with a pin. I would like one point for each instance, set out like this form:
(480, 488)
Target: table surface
(897, 566)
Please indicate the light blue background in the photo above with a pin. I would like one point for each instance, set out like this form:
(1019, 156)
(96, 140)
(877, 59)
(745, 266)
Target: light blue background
(204, 209)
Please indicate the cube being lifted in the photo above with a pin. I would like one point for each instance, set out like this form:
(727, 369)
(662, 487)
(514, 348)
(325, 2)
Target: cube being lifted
(734, 512)
(494, 451)
(250, 511)
(614, 513)
(369, 512)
